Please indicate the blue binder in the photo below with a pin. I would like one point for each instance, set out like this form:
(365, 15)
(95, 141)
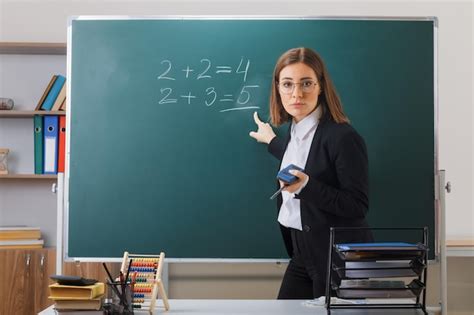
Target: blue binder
(50, 128)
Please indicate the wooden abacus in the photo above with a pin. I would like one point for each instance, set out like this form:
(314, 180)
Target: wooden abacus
(144, 273)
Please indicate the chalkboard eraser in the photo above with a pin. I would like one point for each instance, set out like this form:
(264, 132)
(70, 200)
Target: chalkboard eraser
(72, 280)
(285, 176)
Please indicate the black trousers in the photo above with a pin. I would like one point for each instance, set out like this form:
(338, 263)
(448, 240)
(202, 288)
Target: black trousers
(301, 279)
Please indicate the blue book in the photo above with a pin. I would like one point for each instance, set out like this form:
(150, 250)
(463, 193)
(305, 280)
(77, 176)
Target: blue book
(53, 93)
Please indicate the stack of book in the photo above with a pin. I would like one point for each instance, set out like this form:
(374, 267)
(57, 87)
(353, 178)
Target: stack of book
(50, 130)
(69, 299)
(54, 96)
(18, 237)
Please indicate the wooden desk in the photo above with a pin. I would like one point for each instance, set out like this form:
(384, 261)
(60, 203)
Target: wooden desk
(261, 307)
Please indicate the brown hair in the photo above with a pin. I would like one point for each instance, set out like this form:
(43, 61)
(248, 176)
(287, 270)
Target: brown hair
(328, 98)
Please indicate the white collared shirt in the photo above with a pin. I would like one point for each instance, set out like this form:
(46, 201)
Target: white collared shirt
(296, 153)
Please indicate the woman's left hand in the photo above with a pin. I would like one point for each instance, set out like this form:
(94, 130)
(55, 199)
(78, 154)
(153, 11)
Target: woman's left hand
(299, 184)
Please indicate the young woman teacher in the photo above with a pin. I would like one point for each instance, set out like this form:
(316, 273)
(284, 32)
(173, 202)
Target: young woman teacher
(333, 189)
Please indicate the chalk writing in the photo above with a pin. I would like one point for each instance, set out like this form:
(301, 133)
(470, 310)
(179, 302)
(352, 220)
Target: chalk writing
(238, 94)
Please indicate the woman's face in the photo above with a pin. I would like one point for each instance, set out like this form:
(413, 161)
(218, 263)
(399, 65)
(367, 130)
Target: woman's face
(299, 90)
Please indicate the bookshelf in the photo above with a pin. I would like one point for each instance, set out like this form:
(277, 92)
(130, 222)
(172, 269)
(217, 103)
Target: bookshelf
(32, 48)
(460, 247)
(28, 176)
(28, 66)
(28, 113)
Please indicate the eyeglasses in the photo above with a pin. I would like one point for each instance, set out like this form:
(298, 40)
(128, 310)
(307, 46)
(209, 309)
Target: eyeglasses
(287, 87)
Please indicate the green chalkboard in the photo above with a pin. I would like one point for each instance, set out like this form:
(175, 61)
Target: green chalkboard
(160, 158)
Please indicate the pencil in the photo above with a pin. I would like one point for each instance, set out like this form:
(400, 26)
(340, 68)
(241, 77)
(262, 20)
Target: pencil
(112, 284)
(128, 270)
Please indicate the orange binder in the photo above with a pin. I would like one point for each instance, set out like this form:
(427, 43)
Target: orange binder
(62, 144)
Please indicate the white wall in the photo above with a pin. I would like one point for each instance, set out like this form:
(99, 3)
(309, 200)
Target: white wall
(37, 20)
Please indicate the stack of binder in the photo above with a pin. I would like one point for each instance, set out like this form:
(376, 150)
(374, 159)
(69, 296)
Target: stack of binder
(50, 144)
(50, 130)
(70, 298)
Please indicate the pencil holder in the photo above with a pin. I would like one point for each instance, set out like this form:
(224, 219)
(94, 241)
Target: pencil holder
(122, 299)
